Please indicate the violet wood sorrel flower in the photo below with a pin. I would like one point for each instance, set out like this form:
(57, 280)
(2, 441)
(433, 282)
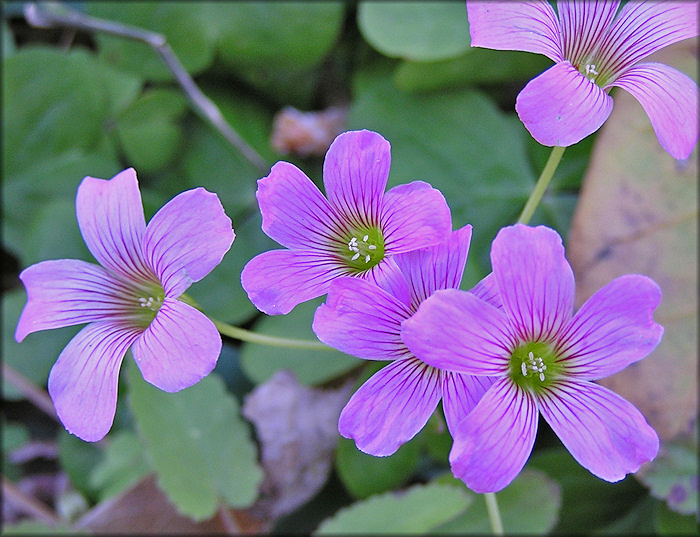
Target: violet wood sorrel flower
(353, 232)
(364, 320)
(594, 50)
(545, 358)
(130, 300)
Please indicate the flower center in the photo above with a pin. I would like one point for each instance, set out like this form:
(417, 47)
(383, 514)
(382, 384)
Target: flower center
(364, 248)
(534, 366)
(149, 300)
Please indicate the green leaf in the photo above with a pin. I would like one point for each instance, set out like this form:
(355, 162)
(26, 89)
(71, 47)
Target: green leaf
(420, 31)
(672, 523)
(364, 475)
(124, 463)
(419, 509)
(529, 505)
(200, 447)
(310, 366)
(77, 459)
(149, 129)
(182, 23)
(35, 527)
(8, 42)
(462, 145)
(14, 436)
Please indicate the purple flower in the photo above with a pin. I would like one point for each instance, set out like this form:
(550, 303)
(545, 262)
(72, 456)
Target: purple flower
(351, 233)
(131, 300)
(595, 50)
(363, 319)
(545, 358)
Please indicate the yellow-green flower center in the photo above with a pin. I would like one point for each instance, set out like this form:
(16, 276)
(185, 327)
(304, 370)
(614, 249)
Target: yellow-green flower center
(534, 366)
(363, 248)
(149, 301)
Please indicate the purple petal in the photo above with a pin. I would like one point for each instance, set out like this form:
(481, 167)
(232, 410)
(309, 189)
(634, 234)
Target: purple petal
(460, 395)
(605, 433)
(492, 444)
(414, 215)
(391, 407)
(455, 331)
(179, 348)
(362, 319)
(355, 173)
(487, 289)
(278, 280)
(294, 212)
(83, 381)
(670, 99)
(67, 292)
(613, 329)
(535, 281)
(436, 267)
(110, 217)
(187, 238)
(528, 26)
(387, 275)
(561, 106)
(583, 24)
(643, 28)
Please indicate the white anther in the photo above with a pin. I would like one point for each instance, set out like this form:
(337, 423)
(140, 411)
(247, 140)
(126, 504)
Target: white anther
(372, 247)
(590, 69)
(355, 256)
(365, 238)
(523, 368)
(367, 258)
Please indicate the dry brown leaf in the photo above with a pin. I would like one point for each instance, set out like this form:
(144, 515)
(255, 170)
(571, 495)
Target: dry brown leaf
(638, 213)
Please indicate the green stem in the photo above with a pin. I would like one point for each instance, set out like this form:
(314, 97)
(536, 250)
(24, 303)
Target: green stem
(541, 185)
(242, 334)
(494, 515)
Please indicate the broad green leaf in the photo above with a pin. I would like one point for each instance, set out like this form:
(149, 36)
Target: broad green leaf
(418, 509)
(124, 463)
(587, 502)
(78, 458)
(52, 102)
(421, 31)
(529, 505)
(200, 447)
(364, 475)
(671, 523)
(310, 366)
(8, 42)
(149, 130)
(35, 356)
(475, 66)
(183, 24)
(461, 144)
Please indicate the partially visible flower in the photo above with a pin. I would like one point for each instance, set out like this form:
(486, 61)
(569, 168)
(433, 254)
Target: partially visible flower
(354, 232)
(131, 300)
(363, 319)
(595, 50)
(545, 358)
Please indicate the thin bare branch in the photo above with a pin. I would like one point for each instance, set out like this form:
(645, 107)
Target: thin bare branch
(32, 393)
(27, 504)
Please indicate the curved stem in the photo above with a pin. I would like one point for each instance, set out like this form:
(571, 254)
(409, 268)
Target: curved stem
(242, 334)
(542, 184)
(494, 514)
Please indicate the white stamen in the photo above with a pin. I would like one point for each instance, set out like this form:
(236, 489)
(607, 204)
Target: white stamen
(367, 258)
(365, 238)
(355, 256)
(523, 368)
(542, 377)
(590, 69)
(536, 365)
(372, 247)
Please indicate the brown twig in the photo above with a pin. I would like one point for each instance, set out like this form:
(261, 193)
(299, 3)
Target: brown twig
(27, 504)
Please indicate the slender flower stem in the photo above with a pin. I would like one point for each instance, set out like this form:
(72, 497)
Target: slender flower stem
(52, 14)
(494, 514)
(242, 334)
(541, 185)
(32, 393)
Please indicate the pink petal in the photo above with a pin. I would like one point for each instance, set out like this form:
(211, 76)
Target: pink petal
(455, 331)
(493, 443)
(278, 280)
(110, 217)
(583, 24)
(535, 281)
(460, 395)
(389, 277)
(355, 173)
(67, 292)
(605, 433)
(294, 212)
(643, 28)
(436, 267)
(487, 290)
(561, 106)
(670, 99)
(187, 238)
(361, 319)
(613, 329)
(391, 407)
(414, 215)
(527, 26)
(83, 381)
(179, 348)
